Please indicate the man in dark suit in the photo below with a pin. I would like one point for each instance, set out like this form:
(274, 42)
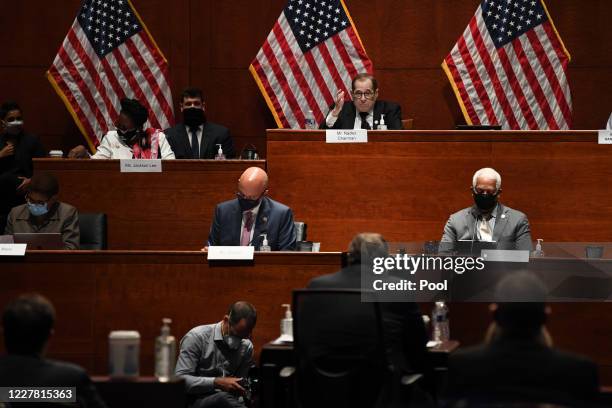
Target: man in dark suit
(17, 148)
(519, 363)
(488, 220)
(366, 111)
(251, 215)
(28, 324)
(404, 330)
(196, 137)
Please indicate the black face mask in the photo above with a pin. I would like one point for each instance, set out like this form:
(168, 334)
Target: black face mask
(127, 136)
(246, 204)
(485, 202)
(193, 117)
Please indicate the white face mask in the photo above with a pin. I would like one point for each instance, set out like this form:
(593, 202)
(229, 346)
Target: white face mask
(233, 342)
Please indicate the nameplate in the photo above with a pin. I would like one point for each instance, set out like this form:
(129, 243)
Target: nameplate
(13, 249)
(504, 255)
(140, 166)
(605, 137)
(231, 253)
(346, 136)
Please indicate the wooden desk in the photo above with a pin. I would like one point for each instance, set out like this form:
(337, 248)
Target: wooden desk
(405, 184)
(168, 210)
(142, 392)
(96, 292)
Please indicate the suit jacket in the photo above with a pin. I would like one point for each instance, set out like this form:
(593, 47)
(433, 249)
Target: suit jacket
(511, 229)
(404, 331)
(346, 118)
(212, 135)
(274, 219)
(31, 371)
(521, 369)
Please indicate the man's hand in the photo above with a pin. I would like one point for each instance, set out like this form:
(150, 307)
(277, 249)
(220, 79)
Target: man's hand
(230, 384)
(7, 151)
(79, 152)
(339, 103)
(25, 182)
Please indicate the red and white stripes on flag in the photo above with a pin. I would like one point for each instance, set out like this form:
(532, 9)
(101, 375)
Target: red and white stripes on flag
(108, 54)
(509, 68)
(313, 51)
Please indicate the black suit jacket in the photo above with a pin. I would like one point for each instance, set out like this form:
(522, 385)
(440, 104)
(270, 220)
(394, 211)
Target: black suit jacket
(273, 218)
(30, 371)
(404, 331)
(212, 135)
(519, 369)
(346, 118)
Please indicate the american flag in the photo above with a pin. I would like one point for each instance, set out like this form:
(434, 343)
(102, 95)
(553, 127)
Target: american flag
(510, 68)
(312, 52)
(108, 54)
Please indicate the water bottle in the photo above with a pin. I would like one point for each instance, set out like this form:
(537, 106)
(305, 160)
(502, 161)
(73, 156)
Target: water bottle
(439, 318)
(165, 352)
(310, 122)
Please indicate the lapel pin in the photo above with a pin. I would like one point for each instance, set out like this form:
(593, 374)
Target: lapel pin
(264, 219)
(503, 215)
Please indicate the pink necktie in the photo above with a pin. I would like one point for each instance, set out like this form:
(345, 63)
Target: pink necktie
(246, 231)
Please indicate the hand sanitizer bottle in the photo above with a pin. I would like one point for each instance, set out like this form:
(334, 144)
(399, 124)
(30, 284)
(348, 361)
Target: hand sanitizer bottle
(220, 155)
(264, 246)
(539, 252)
(286, 325)
(165, 353)
(382, 125)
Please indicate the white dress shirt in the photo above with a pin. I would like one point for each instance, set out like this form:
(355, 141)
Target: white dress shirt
(330, 121)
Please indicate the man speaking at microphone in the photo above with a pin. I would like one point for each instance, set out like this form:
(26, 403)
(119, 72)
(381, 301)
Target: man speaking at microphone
(487, 220)
(246, 219)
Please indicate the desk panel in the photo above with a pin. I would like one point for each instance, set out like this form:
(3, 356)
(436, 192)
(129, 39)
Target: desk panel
(405, 184)
(167, 211)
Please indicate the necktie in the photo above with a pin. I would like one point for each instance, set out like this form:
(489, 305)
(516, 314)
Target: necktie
(364, 121)
(195, 146)
(246, 231)
(484, 230)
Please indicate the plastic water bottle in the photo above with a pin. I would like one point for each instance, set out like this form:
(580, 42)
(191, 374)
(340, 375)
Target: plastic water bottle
(310, 122)
(439, 318)
(165, 352)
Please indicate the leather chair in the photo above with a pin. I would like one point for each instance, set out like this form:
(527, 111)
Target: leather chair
(93, 231)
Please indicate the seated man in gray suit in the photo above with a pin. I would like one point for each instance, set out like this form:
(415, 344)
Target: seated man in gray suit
(488, 220)
(251, 215)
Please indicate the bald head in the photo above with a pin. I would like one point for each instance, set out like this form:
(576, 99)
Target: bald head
(253, 183)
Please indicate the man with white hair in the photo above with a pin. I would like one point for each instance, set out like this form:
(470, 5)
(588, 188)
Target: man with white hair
(487, 220)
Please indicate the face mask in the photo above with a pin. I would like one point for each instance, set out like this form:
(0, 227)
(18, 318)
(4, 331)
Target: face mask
(38, 209)
(246, 204)
(15, 127)
(232, 342)
(193, 117)
(485, 202)
(127, 136)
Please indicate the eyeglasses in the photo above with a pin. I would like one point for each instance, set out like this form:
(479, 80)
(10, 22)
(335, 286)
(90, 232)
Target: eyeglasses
(367, 94)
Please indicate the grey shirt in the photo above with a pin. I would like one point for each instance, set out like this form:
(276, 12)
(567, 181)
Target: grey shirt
(204, 356)
(64, 220)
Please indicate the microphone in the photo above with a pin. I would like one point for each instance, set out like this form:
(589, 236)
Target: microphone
(473, 236)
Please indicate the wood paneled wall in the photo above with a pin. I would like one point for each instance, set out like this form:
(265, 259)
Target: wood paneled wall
(210, 43)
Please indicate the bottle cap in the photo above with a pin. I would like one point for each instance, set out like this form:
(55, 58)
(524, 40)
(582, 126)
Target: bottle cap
(288, 311)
